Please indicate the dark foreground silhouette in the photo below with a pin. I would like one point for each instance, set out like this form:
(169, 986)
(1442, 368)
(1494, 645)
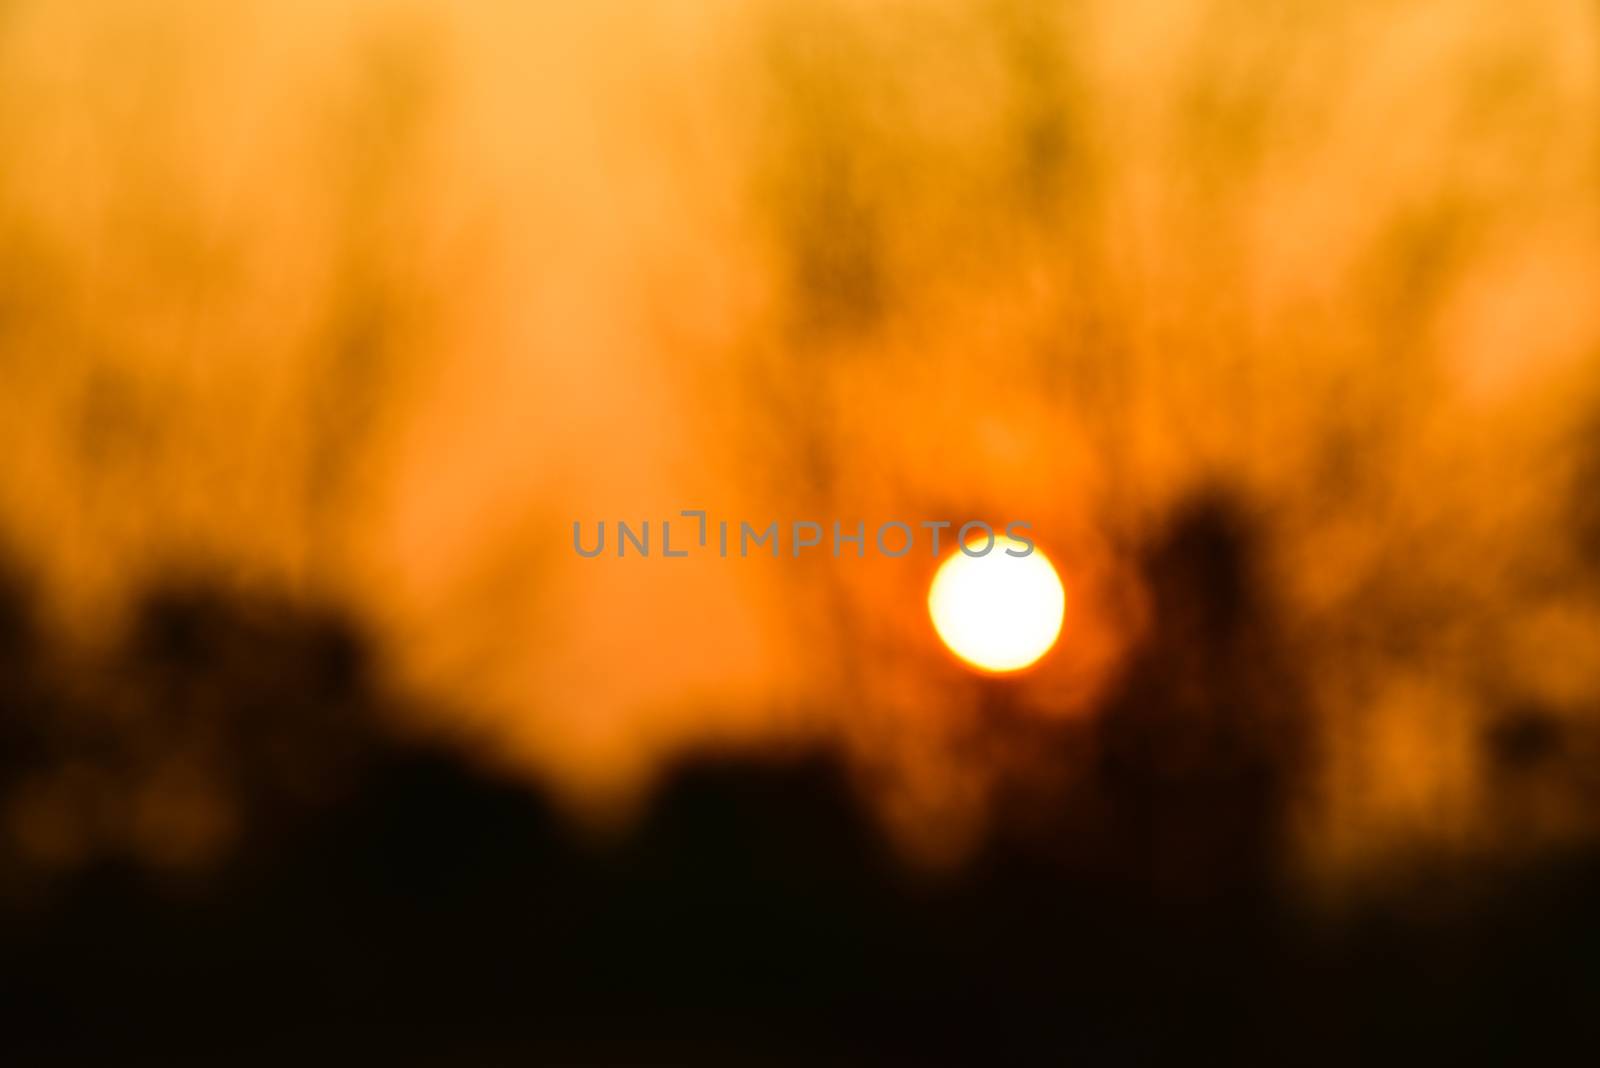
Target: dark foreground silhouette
(383, 901)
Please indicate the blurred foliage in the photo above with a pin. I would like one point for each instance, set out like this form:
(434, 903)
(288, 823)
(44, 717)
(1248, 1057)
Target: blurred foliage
(363, 303)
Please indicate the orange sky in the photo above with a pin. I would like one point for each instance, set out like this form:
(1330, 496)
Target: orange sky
(372, 301)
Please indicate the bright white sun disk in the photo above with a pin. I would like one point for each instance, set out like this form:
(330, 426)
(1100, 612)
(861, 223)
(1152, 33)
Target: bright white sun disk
(997, 612)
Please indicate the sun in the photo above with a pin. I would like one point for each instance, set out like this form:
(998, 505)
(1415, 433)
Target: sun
(997, 612)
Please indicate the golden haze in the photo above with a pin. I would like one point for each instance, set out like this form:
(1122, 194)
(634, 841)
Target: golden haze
(369, 302)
